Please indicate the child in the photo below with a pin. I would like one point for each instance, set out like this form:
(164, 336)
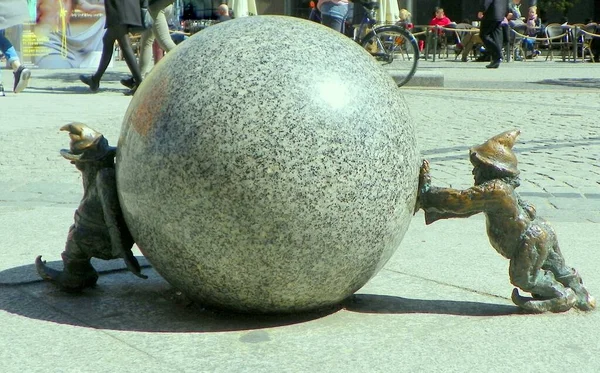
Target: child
(534, 26)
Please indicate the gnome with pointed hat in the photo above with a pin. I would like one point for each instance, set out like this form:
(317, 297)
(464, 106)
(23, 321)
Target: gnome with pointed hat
(99, 229)
(514, 230)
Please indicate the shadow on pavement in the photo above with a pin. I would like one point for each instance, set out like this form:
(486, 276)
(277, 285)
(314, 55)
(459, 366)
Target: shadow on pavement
(43, 83)
(72, 89)
(66, 76)
(573, 82)
(372, 303)
(121, 301)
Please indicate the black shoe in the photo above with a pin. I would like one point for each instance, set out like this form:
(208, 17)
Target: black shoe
(22, 76)
(131, 92)
(129, 83)
(90, 81)
(2, 90)
(494, 65)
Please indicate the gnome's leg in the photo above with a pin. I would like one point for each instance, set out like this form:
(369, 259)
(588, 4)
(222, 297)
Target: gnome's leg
(527, 274)
(564, 274)
(77, 273)
(570, 278)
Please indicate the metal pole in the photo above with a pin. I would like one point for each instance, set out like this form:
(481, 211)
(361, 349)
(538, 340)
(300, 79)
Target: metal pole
(287, 7)
(409, 6)
(575, 36)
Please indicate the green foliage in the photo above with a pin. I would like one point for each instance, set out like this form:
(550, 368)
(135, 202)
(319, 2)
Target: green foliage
(562, 6)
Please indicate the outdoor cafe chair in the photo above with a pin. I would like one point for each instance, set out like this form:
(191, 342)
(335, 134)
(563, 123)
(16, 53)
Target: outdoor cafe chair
(517, 35)
(558, 38)
(586, 35)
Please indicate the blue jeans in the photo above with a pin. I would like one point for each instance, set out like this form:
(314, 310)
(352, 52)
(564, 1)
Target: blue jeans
(333, 15)
(7, 48)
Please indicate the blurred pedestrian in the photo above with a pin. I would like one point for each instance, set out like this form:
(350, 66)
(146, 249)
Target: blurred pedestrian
(160, 10)
(333, 13)
(492, 13)
(121, 15)
(13, 12)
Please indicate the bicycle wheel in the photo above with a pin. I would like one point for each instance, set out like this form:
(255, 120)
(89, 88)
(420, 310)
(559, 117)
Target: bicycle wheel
(396, 47)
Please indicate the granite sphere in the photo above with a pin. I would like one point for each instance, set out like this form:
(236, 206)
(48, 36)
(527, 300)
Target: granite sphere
(267, 164)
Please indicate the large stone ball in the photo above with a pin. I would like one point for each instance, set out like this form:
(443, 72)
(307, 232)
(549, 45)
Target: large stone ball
(267, 164)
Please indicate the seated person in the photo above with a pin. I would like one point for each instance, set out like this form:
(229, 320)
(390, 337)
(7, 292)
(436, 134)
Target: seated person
(514, 13)
(470, 41)
(439, 20)
(404, 19)
(223, 13)
(534, 28)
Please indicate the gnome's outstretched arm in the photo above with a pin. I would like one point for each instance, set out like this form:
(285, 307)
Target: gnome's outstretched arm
(445, 203)
(119, 233)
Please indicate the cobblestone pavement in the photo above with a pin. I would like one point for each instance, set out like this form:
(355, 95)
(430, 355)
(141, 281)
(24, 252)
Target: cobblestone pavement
(559, 148)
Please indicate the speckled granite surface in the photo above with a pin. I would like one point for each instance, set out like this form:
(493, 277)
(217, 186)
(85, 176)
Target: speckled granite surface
(268, 165)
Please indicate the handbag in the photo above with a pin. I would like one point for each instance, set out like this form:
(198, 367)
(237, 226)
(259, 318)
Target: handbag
(147, 20)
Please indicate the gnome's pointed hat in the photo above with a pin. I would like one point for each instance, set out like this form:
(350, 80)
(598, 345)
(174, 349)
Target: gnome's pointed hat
(86, 144)
(497, 152)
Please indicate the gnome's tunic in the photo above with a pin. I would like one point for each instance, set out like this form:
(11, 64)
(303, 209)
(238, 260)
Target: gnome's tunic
(506, 215)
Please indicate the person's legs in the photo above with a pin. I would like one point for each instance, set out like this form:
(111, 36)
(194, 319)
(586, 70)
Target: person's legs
(160, 28)
(491, 35)
(467, 43)
(333, 15)
(21, 73)
(128, 55)
(331, 22)
(159, 32)
(146, 42)
(108, 45)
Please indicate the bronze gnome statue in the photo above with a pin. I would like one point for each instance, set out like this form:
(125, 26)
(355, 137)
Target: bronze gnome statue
(513, 227)
(99, 229)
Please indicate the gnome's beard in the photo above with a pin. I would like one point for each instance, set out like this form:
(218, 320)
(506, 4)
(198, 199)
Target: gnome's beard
(483, 173)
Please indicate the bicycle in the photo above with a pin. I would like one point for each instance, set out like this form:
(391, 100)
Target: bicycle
(389, 43)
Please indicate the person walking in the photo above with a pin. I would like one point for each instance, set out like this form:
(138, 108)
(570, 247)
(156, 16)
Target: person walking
(121, 15)
(333, 13)
(159, 10)
(492, 13)
(13, 12)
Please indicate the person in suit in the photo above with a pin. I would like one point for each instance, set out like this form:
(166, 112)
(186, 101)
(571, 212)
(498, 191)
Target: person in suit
(492, 13)
(121, 15)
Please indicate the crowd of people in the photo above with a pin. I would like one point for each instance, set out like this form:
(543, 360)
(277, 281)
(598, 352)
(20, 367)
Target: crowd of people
(494, 18)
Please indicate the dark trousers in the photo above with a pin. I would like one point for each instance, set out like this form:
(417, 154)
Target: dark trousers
(118, 33)
(491, 35)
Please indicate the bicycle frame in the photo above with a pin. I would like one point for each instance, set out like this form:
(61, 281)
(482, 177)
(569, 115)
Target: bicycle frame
(368, 20)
